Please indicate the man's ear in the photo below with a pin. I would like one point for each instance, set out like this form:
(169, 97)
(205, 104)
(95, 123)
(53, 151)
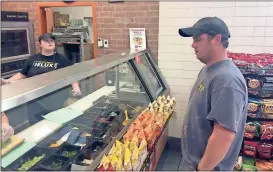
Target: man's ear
(218, 39)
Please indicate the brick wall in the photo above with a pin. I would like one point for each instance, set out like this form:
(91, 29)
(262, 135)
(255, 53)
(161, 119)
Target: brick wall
(29, 7)
(115, 19)
(251, 28)
(113, 22)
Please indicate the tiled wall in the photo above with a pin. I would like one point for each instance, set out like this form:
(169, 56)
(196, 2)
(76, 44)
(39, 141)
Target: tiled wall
(251, 28)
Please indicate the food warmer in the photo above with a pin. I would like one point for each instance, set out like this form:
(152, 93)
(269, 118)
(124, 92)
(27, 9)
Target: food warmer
(114, 87)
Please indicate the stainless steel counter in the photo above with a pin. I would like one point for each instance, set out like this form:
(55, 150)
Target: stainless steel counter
(25, 90)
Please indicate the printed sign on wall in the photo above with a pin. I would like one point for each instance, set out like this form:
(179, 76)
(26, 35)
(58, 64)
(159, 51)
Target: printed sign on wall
(14, 16)
(137, 39)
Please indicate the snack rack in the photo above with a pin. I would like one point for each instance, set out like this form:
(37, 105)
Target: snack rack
(137, 148)
(257, 148)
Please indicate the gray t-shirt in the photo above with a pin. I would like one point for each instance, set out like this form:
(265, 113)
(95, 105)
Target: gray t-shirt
(219, 94)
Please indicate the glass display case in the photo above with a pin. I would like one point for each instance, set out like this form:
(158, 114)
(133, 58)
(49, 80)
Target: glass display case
(55, 130)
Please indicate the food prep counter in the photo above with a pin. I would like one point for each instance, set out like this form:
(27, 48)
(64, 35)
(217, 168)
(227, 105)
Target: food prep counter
(75, 132)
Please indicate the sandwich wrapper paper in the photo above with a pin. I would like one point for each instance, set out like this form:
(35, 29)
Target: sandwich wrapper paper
(63, 115)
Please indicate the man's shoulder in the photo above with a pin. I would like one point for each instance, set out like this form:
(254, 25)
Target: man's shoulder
(229, 78)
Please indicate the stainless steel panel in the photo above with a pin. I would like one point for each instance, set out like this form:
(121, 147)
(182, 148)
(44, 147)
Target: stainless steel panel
(20, 25)
(25, 90)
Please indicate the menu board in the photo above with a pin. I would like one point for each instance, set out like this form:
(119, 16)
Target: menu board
(137, 39)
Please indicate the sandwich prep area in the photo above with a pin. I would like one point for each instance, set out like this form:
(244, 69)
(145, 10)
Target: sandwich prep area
(120, 122)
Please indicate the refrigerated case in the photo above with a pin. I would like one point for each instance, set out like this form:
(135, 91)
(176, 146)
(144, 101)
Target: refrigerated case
(45, 114)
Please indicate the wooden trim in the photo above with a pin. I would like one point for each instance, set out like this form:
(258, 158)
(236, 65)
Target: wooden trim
(95, 33)
(50, 19)
(41, 5)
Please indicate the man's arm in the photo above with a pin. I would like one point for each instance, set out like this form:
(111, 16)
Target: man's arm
(217, 147)
(227, 104)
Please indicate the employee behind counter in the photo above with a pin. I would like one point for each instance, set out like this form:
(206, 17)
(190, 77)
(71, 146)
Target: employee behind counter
(46, 61)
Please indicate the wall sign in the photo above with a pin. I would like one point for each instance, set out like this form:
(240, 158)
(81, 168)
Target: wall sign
(137, 39)
(14, 16)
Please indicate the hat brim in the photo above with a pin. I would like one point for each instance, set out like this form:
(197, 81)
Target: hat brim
(189, 32)
(46, 37)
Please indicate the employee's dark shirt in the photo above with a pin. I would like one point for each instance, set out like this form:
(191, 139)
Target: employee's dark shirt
(39, 64)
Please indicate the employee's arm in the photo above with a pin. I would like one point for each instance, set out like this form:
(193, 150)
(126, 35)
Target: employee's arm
(217, 147)
(76, 86)
(23, 73)
(4, 118)
(16, 77)
(76, 89)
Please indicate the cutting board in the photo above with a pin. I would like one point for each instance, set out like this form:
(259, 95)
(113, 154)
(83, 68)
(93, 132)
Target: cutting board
(13, 143)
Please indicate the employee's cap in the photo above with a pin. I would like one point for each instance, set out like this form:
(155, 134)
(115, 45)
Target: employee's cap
(209, 25)
(46, 36)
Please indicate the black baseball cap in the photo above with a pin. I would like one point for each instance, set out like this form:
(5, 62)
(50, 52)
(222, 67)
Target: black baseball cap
(208, 25)
(46, 36)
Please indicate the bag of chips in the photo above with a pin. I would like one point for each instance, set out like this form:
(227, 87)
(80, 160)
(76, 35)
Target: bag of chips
(254, 108)
(138, 125)
(141, 135)
(157, 130)
(266, 131)
(119, 149)
(135, 159)
(143, 150)
(267, 107)
(251, 130)
(129, 135)
(127, 143)
(148, 130)
(264, 150)
(105, 164)
(113, 150)
(238, 164)
(263, 165)
(160, 120)
(127, 160)
(151, 139)
(248, 161)
(113, 160)
(250, 148)
(134, 143)
(246, 167)
(119, 166)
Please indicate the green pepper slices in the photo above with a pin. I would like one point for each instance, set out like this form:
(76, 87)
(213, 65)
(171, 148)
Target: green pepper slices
(30, 163)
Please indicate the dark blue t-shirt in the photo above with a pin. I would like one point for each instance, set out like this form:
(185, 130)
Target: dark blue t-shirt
(219, 95)
(39, 64)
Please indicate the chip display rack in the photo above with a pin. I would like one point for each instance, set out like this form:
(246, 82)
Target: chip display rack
(137, 150)
(257, 147)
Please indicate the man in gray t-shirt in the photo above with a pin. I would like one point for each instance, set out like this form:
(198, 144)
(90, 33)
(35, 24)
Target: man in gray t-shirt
(213, 129)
